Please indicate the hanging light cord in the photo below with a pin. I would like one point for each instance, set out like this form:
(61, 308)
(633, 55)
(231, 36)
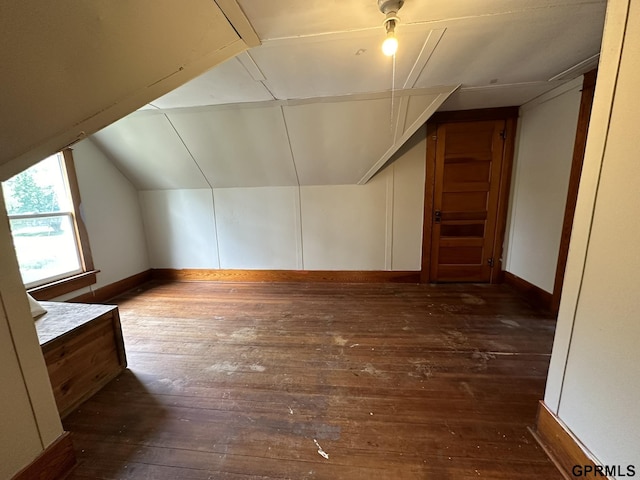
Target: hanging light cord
(393, 90)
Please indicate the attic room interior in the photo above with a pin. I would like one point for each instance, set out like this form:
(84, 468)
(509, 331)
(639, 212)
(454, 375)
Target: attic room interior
(297, 257)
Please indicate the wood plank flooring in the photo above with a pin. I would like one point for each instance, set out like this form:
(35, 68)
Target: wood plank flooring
(264, 381)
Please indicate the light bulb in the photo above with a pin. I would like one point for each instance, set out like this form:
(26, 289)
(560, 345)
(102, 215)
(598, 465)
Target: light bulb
(390, 45)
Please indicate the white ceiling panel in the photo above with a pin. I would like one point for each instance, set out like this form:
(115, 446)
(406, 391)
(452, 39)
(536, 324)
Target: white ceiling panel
(238, 147)
(336, 143)
(145, 147)
(337, 64)
(294, 18)
(414, 109)
(70, 68)
(229, 82)
(496, 96)
(320, 68)
(416, 106)
(515, 48)
(436, 10)
(148, 106)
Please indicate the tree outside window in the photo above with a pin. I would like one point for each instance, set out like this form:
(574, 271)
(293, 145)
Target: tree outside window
(44, 224)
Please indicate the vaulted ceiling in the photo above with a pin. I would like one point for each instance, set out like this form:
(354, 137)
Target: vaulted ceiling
(318, 103)
(73, 67)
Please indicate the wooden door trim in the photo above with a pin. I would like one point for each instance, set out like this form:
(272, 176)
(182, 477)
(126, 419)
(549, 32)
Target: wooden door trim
(492, 224)
(477, 115)
(438, 173)
(497, 275)
(510, 115)
(586, 102)
(429, 189)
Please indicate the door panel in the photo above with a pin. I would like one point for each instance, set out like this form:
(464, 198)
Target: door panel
(467, 172)
(460, 255)
(472, 201)
(468, 164)
(462, 229)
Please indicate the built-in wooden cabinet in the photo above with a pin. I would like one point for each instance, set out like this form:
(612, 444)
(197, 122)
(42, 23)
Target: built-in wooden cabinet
(83, 349)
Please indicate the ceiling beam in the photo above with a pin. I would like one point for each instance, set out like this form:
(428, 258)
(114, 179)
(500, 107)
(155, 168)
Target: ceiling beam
(240, 22)
(408, 131)
(430, 44)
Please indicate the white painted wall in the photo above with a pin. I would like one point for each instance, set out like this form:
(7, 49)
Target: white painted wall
(546, 136)
(29, 420)
(180, 228)
(593, 383)
(112, 214)
(408, 204)
(344, 226)
(259, 228)
(377, 226)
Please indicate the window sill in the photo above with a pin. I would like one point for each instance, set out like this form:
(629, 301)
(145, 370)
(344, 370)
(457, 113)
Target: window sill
(52, 290)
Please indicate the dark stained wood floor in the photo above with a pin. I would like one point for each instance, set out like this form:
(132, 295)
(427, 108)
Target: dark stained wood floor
(390, 381)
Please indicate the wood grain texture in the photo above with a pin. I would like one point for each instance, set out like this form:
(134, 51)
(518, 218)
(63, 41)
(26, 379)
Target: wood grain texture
(507, 114)
(63, 318)
(82, 235)
(504, 196)
(61, 287)
(393, 381)
(475, 115)
(54, 463)
(562, 447)
(106, 293)
(323, 276)
(584, 115)
(469, 158)
(427, 226)
(495, 217)
(530, 292)
(83, 350)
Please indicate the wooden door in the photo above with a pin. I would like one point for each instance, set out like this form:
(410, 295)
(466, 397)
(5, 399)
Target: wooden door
(467, 176)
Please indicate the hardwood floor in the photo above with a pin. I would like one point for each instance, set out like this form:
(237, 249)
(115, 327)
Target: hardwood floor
(320, 381)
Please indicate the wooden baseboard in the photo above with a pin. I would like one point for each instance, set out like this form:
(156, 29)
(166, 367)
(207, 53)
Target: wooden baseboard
(533, 294)
(55, 462)
(192, 275)
(562, 447)
(106, 293)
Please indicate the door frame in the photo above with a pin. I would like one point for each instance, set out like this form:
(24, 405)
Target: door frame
(580, 144)
(510, 115)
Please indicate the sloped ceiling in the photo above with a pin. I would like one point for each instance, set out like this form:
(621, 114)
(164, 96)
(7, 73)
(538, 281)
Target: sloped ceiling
(70, 68)
(313, 104)
(308, 142)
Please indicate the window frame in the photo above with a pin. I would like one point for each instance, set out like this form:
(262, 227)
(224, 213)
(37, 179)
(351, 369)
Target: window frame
(87, 276)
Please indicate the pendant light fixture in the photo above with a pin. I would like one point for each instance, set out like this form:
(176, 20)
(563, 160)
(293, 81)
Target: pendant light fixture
(390, 9)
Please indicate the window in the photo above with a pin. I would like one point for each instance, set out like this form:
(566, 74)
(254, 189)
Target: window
(49, 236)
